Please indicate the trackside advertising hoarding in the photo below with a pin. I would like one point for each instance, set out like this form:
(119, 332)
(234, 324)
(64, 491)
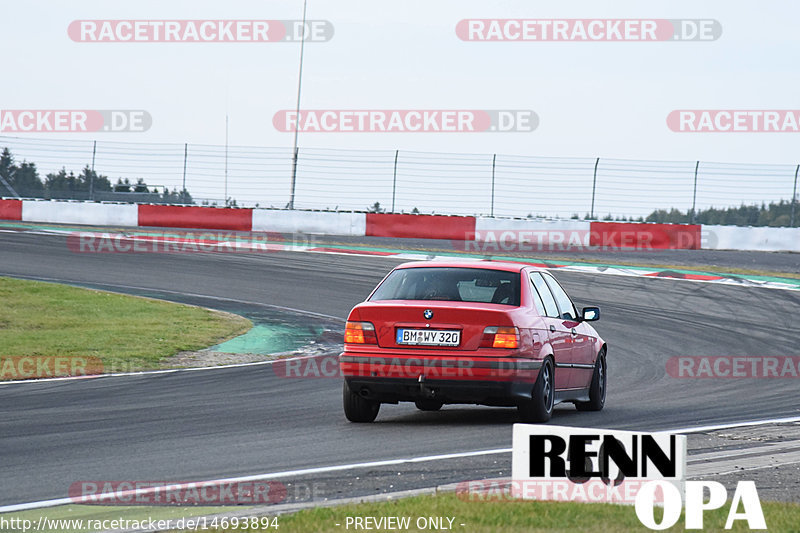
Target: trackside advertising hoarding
(592, 465)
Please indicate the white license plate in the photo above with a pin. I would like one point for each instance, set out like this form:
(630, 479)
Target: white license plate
(428, 337)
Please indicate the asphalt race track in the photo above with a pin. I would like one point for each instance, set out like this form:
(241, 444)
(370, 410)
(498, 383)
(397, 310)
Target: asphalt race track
(239, 421)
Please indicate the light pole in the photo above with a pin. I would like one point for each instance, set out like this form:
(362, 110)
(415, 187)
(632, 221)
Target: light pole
(225, 203)
(297, 109)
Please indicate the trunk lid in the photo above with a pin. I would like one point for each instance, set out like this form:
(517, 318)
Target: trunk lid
(470, 320)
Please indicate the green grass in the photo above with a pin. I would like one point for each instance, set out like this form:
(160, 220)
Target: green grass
(127, 333)
(91, 513)
(477, 516)
(516, 516)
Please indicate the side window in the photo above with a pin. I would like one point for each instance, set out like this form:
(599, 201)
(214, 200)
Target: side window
(564, 303)
(537, 301)
(545, 296)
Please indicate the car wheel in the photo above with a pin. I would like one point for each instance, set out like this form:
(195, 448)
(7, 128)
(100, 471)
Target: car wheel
(358, 409)
(540, 407)
(428, 405)
(597, 391)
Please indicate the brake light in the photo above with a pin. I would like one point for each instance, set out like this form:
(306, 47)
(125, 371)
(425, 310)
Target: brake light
(500, 337)
(360, 333)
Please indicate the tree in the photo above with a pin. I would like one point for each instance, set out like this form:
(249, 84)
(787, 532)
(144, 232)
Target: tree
(23, 178)
(61, 181)
(774, 214)
(376, 208)
(122, 186)
(6, 164)
(94, 182)
(6, 171)
(26, 180)
(176, 197)
(184, 197)
(87, 180)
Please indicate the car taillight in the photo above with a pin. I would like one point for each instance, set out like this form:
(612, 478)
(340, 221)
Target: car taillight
(360, 333)
(500, 337)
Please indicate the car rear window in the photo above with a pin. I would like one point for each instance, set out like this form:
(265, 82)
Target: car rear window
(451, 284)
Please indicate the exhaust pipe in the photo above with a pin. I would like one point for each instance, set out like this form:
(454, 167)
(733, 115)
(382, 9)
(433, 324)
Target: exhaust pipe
(427, 392)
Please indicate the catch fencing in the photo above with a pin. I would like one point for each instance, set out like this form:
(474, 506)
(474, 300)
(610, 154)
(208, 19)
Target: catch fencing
(404, 181)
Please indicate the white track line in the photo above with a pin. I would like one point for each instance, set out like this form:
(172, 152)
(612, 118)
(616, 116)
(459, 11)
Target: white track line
(339, 468)
(701, 429)
(256, 477)
(749, 468)
(164, 371)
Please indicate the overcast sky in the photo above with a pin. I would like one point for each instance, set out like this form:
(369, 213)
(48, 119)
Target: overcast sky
(607, 99)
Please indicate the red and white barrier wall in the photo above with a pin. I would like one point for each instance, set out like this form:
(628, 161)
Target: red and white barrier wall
(635, 235)
(571, 233)
(762, 239)
(172, 216)
(313, 222)
(420, 226)
(10, 209)
(88, 213)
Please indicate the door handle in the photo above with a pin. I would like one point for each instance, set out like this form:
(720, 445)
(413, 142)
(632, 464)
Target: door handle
(552, 328)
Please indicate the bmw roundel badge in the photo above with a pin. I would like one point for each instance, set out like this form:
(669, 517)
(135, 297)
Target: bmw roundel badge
(428, 314)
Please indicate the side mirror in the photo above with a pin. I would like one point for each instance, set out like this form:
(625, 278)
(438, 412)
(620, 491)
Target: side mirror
(590, 314)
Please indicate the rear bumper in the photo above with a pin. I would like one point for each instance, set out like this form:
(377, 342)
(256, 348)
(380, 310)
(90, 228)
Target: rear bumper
(481, 380)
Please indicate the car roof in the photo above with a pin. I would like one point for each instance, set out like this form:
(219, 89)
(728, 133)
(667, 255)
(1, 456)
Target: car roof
(507, 266)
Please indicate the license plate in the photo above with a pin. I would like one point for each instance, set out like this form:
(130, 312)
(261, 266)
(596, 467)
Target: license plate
(428, 337)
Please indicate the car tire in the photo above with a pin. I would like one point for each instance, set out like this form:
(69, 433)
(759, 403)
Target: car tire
(597, 390)
(358, 409)
(540, 407)
(428, 405)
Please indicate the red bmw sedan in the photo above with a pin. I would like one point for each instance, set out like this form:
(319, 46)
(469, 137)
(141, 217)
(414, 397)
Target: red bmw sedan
(489, 333)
